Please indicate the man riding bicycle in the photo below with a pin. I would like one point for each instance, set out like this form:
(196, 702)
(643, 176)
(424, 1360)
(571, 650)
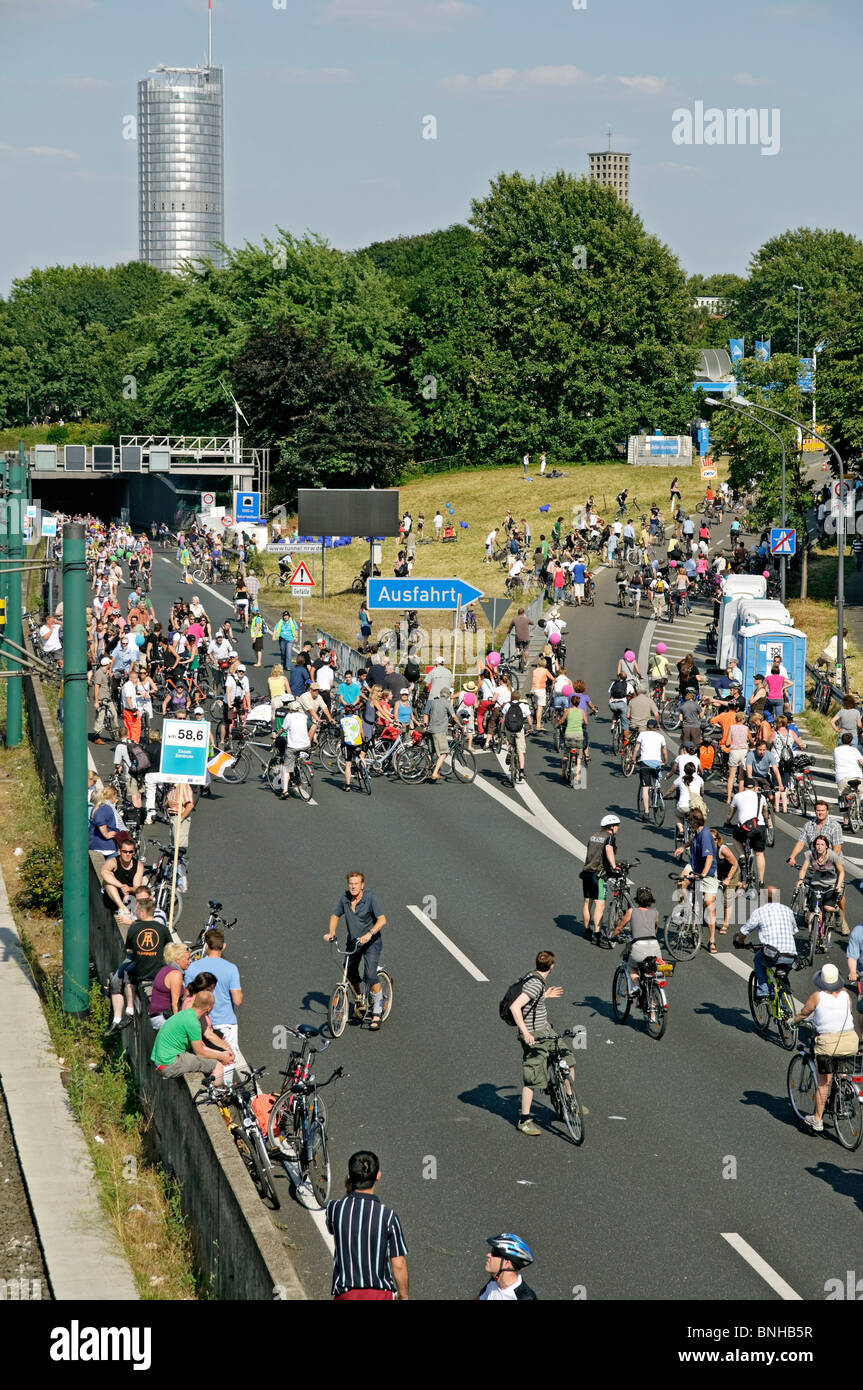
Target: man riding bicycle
(365, 920)
(651, 755)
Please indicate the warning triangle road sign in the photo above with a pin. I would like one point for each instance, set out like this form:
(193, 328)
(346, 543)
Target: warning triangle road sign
(302, 575)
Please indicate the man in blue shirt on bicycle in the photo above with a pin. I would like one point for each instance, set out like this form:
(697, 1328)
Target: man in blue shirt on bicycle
(703, 860)
(365, 919)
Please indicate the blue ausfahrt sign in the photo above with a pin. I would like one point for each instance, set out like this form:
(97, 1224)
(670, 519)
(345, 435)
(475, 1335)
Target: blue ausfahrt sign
(440, 594)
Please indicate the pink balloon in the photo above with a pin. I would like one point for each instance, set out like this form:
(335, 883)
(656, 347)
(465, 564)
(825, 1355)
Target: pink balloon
(554, 638)
(493, 658)
(765, 574)
(567, 690)
(468, 698)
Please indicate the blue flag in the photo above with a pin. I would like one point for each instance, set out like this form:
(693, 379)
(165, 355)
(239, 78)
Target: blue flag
(762, 349)
(735, 347)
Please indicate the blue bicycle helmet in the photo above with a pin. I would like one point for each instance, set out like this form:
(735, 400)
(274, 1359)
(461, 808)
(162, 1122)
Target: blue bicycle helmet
(511, 1247)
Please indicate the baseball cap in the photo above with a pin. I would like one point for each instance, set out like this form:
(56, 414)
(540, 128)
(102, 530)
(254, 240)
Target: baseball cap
(106, 661)
(241, 667)
(439, 661)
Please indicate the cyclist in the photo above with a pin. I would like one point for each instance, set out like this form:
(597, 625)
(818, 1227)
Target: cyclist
(642, 709)
(541, 679)
(746, 814)
(642, 920)
(657, 671)
(651, 754)
(522, 625)
(365, 920)
(847, 767)
(437, 717)
(822, 871)
(511, 1255)
(291, 739)
(703, 859)
(636, 585)
(762, 766)
(829, 1009)
(599, 862)
(621, 579)
(516, 718)
(773, 927)
(574, 738)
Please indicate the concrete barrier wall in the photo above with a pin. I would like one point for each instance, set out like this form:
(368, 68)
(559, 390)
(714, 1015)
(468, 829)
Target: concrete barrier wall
(239, 1252)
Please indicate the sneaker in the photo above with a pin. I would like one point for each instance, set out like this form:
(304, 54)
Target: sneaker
(149, 820)
(113, 1027)
(817, 1126)
(528, 1127)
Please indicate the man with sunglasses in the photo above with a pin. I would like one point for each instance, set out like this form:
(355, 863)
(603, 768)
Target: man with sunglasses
(123, 873)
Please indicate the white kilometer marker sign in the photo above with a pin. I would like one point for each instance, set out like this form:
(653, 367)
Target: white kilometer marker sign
(448, 945)
(767, 1273)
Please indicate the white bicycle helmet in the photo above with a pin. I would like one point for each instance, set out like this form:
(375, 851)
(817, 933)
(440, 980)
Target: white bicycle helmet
(609, 820)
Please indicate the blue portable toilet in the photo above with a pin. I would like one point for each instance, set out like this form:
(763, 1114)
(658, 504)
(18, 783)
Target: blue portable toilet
(734, 588)
(744, 609)
(759, 643)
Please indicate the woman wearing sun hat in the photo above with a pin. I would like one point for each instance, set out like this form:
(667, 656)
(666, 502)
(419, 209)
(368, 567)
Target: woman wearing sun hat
(829, 1010)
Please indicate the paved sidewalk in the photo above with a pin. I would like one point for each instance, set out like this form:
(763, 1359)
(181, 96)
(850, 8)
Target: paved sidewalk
(82, 1257)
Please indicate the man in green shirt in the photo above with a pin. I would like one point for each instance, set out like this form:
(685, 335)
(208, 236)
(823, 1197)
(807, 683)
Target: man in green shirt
(180, 1047)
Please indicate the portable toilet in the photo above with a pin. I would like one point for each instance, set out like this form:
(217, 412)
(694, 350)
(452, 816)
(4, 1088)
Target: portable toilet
(757, 646)
(734, 588)
(744, 609)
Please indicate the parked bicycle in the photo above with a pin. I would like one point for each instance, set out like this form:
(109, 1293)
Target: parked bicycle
(649, 996)
(297, 1123)
(344, 993)
(801, 789)
(158, 876)
(851, 807)
(844, 1107)
(234, 1104)
(213, 920)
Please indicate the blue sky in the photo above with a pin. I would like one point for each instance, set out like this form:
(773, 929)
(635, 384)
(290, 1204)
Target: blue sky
(325, 102)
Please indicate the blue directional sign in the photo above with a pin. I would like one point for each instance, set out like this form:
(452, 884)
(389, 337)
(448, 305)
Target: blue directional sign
(783, 540)
(440, 594)
(247, 506)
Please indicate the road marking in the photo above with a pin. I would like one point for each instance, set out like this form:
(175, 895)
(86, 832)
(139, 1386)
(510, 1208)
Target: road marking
(538, 816)
(744, 971)
(448, 945)
(761, 1267)
(220, 597)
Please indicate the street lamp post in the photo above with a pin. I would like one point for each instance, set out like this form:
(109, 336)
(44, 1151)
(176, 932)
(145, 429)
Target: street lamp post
(799, 289)
(729, 405)
(840, 529)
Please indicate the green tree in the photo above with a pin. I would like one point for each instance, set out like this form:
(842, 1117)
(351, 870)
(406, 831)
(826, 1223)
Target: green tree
(839, 381)
(587, 317)
(330, 420)
(829, 266)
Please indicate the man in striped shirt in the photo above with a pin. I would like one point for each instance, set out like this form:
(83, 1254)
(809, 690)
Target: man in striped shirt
(369, 1257)
(774, 925)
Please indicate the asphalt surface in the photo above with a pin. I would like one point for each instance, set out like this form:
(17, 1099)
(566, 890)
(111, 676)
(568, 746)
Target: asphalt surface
(689, 1140)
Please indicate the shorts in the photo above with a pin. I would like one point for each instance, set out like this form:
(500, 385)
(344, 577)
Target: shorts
(539, 696)
(831, 1048)
(708, 887)
(737, 757)
(755, 837)
(692, 734)
(593, 885)
(534, 1069)
(440, 744)
(578, 591)
(571, 742)
(517, 739)
(642, 950)
(351, 750)
(647, 773)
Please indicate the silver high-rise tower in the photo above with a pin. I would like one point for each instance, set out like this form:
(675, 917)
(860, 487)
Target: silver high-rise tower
(181, 165)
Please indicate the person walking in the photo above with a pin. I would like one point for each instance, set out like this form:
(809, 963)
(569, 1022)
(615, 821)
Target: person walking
(369, 1254)
(256, 632)
(525, 463)
(530, 1016)
(285, 633)
(542, 464)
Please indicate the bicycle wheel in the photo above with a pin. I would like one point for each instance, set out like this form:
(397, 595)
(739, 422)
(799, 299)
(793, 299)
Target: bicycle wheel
(616, 736)
(199, 575)
(807, 796)
(239, 769)
(627, 759)
(337, 1010)
(770, 832)
(280, 1126)
(656, 1018)
(264, 1170)
(302, 781)
(812, 940)
(657, 808)
(318, 1167)
(621, 1002)
(854, 818)
(412, 762)
(682, 938)
(386, 983)
(570, 1110)
(847, 1112)
(463, 765)
(785, 1022)
(512, 769)
(273, 773)
(758, 1007)
(365, 779)
(793, 794)
(669, 715)
(328, 753)
(802, 1084)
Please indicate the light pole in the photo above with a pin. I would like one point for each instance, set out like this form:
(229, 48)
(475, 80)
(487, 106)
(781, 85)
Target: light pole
(799, 289)
(729, 405)
(840, 528)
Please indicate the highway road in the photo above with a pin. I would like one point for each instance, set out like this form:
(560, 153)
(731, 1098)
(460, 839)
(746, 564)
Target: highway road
(694, 1180)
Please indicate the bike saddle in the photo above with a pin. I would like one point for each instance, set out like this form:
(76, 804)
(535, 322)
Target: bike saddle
(308, 1031)
(216, 907)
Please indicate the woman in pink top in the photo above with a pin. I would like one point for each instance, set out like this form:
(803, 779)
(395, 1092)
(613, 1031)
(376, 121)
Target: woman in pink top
(776, 684)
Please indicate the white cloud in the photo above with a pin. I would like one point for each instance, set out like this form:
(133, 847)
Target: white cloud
(299, 76)
(549, 80)
(746, 79)
(26, 153)
(416, 16)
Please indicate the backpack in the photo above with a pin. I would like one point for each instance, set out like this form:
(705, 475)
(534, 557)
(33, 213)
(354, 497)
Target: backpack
(512, 994)
(138, 758)
(786, 751)
(513, 720)
(706, 755)
(352, 730)
(261, 1106)
(618, 688)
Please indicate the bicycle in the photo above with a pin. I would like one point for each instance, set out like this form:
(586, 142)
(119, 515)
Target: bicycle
(234, 1105)
(650, 995)
(108, 710)
(801, 789)
(844, 1105)
(296, 1126)
(681, 929)
(299, 779)
(571, 769)
(619, 903)
(850, 806)
(778, 1006)
(627, 752)
(160, 875)
(655, 799)
(337, 1008)
(818, 930)
(242, 749)
(213, 920)
(822, 693)
(561, 1091)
